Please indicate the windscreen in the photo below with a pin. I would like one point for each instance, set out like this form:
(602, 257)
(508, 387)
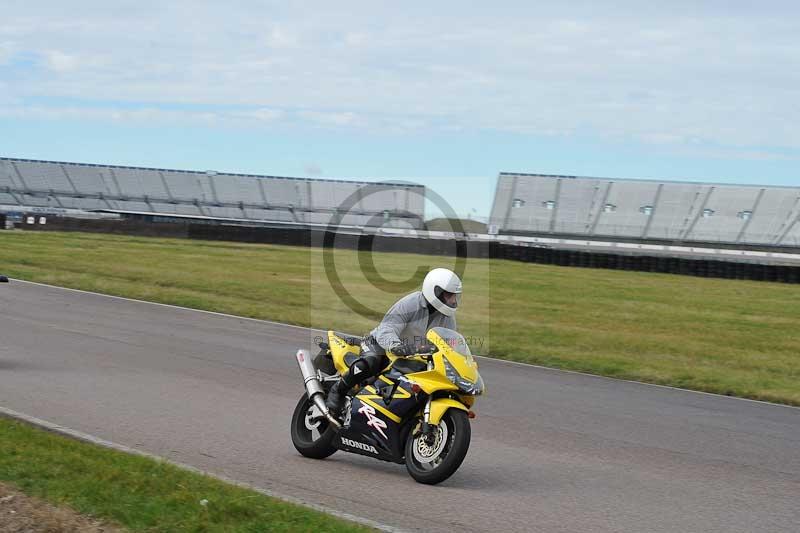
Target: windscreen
(455, 340)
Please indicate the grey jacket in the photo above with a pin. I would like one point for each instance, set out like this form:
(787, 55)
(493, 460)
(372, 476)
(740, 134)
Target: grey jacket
(407, 322)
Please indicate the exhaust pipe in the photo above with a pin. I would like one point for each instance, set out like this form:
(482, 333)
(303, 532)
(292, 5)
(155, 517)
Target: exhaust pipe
(313, 386)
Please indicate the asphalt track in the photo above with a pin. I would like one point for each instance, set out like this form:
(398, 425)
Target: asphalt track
(551, 451)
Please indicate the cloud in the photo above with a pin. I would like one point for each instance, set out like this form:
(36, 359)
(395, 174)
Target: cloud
(281, 37)
(741, 154)
(720, 72)
(7, 51)
(662, 138)
(356, 39)
(141, 115)
(263, 114)
(327, 118)
(59, 61)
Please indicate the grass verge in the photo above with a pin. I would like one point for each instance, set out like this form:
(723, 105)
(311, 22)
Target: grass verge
(141, 494)
(730, 337)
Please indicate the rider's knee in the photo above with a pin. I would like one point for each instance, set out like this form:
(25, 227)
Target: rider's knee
(359, 371)
(374, 363)
(361, 365)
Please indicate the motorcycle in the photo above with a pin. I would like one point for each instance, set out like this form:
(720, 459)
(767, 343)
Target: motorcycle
(416, 412)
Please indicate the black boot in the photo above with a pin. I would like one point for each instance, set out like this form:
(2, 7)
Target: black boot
(357, 373)
(335, 400)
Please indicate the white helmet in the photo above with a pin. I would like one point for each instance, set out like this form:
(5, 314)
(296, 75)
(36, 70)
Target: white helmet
(438, 282)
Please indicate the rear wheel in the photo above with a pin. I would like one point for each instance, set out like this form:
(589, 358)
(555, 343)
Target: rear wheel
(433, 463)
(312, 438)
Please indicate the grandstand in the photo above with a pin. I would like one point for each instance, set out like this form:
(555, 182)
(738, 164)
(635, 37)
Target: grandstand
(646, 211)
(167, 194)
(669, 226)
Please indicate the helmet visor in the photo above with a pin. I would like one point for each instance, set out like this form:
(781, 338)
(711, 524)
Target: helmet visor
(450, 299)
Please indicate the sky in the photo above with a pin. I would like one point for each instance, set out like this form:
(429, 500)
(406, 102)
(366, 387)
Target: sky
(444, 93)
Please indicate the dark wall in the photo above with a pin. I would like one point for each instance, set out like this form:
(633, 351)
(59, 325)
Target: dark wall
(667, 265)
(548, 256)
(120, 227)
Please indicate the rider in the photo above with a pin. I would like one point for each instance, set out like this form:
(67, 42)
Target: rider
(402, 331)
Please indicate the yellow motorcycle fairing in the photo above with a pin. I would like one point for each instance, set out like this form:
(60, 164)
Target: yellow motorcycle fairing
(436, 380)
(339, 349)
(440, 406)
(429, 381)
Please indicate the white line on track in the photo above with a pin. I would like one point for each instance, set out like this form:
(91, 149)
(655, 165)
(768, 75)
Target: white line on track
(481, 356)
(85, 437)
(164, 305)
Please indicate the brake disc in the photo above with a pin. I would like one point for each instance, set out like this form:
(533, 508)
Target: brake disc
(425, 453)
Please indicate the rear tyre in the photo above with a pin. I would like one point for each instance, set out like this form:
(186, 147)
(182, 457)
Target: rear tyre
(311, 438)
(432, 464)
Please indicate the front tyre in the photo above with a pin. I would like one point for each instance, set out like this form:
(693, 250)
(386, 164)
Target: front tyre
(311, 438)
(432, 464)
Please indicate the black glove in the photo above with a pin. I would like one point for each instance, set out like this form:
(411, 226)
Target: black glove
(404, 349)
(427, 347)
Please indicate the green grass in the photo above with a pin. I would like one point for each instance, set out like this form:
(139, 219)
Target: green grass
(139, 493)
(726, 336)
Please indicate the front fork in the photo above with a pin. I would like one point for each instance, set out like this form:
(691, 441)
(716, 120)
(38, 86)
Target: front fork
(427, 430)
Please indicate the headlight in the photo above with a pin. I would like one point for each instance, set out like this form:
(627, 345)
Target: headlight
(464, 385)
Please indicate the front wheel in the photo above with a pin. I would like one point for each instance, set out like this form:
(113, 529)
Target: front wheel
(312, 438)
(433, 463)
